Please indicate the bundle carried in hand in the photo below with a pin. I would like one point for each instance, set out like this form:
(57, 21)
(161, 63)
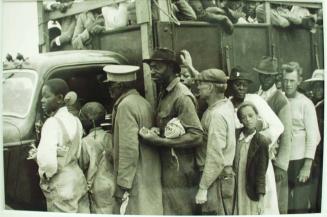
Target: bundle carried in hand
(174, 129)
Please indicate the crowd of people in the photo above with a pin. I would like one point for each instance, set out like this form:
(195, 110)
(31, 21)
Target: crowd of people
(229, 12)
(247, 153)
(77, 31)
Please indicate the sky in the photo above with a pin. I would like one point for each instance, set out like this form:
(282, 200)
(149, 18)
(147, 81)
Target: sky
(19, 28)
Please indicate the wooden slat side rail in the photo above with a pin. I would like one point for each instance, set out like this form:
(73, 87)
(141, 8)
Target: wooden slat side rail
(79, 7)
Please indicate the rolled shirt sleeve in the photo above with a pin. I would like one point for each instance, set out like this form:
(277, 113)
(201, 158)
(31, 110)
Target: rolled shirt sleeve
(217, 141)
(47, 149)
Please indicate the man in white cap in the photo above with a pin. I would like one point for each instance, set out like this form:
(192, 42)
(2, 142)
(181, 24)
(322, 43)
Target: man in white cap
(137, 167)
(305, 138)
(316, 85)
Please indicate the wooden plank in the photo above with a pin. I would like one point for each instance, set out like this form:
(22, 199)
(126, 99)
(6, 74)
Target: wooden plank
(267, 9)
(163, 7)
(143, 6)
(79, 7)
(44, 45)
(302, 3)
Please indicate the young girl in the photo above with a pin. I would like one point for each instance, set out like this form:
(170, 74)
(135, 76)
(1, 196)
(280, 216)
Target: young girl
(94, 160)
(251, 162)
(61, 179)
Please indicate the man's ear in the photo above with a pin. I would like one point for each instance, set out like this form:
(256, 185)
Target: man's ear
(300, 80)
(60, 99)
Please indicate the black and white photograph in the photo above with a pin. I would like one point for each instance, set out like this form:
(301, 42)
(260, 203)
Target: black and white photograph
(162, 107)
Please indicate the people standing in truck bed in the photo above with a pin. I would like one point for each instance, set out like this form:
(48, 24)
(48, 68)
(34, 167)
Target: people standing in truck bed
(88, 24)
(63, 41)
(95, 159)
(179, 173)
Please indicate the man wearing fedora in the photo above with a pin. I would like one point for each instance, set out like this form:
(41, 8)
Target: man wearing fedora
(179, 175)
(316, 85)
(137, 168)
(239, 81)
(305, 138)
(267, 70)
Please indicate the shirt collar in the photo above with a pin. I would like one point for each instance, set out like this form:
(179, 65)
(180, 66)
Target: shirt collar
(268, 93)
(172, 84)
(246, 138)
(61, 111)
(132, 91)
(217, 103)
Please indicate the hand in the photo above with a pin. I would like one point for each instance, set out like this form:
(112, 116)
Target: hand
(97, 29)
(55, 6)
(261, 204)
(64, 6)
(148, 135)
(156, 130)
(32, 152)
(186, 58)
(201, 196)
(53, 43)
(304, 174)
(279, 174)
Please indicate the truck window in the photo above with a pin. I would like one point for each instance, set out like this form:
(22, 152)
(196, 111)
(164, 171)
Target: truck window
(18, 90)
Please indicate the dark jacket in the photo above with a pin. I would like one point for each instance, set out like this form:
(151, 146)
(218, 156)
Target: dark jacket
(256, 165)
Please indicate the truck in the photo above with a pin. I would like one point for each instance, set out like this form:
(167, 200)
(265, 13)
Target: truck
(208, 44)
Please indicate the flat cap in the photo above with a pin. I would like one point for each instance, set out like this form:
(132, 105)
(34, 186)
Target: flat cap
(212, 76)
(120, 73)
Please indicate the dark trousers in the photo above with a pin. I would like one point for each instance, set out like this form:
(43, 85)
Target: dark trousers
(282, 194)
(299, 193)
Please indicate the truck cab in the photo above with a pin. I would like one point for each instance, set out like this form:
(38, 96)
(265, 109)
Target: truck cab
(23, 117)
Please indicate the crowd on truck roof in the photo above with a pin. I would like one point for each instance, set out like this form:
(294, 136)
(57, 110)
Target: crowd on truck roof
(77, 31)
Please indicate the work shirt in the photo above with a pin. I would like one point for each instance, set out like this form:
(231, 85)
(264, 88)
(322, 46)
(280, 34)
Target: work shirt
(218, 150)
(179, 178)
(52, 137)
(305, 128)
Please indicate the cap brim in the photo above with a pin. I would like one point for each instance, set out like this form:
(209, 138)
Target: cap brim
(312, 80)
(265, 72)
(246, 79)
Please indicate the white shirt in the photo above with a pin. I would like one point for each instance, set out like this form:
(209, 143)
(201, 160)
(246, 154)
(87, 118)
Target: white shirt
(52, 136)
(114, 16)
(275, 126)
(268, 93)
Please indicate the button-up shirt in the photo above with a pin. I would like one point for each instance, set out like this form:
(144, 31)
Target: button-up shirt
(218, 150)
